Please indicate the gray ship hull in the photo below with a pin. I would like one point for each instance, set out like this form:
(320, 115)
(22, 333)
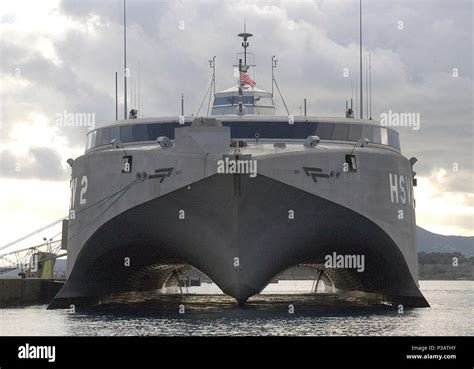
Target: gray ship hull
(236, 230)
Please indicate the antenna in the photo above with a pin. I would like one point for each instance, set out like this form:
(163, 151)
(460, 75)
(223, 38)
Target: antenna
(360, 60)
(366, 88)
(352, 89)
(131, 91)
(357, 99)
(139, 89)
(125, 60)
(212, 65)
(274, 65)
(116, 98)
(245, 44)
(370, 88)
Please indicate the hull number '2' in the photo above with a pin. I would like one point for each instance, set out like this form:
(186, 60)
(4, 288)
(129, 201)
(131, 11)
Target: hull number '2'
(82, 195)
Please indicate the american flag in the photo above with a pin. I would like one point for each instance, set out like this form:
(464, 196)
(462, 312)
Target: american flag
(245, 79)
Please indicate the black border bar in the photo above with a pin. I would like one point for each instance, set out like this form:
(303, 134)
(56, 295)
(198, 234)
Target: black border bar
(241, 352)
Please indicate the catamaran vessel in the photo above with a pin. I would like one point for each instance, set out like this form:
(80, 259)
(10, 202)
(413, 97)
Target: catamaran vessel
(241, 195)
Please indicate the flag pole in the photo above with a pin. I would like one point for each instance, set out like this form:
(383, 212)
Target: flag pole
(241, 95)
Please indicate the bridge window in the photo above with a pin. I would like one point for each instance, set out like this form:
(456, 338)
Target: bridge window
(324, 130)
(223, 101)
(126, 134)
(103, 136)
(233, 100)
(341, 132)
(115, 133)
(355, 132)
(393, 139)
(367, 133)
(163, 129)
(140, 132)
(384, 136)
(377, 135)
(244, 129)
(91, 137)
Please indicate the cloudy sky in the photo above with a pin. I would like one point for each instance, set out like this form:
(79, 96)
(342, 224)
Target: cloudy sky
(61, 56)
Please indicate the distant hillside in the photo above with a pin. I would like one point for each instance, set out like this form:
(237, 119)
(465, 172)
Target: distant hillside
(432, 242)
(445, 266)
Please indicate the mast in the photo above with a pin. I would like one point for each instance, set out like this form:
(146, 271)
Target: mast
(124, 61)
(360, 60)
(245, 44)
(243, 67)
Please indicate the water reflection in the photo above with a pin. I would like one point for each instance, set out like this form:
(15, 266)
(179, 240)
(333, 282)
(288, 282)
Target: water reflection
(450, 314)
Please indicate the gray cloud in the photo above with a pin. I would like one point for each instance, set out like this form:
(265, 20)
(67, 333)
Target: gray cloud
(411, 68)
(40, 162)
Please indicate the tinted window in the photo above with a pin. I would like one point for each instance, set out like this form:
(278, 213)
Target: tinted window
(264, 129)
(341, 131)
(155, 131)
(126, 134)
(98, 136)
(89, 141)
(393, 139)
(223, 101)
(115, 133)
(377, 135)
(304, 129)
(104, 138)
(140, 132)
(162, 129)
(271, 130)
(324, 130)
(384, 136)
(298, 130)
(233, 100)
(355, 132)
(367, 133)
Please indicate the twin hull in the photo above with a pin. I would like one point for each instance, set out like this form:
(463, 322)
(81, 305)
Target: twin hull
(174, 208)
